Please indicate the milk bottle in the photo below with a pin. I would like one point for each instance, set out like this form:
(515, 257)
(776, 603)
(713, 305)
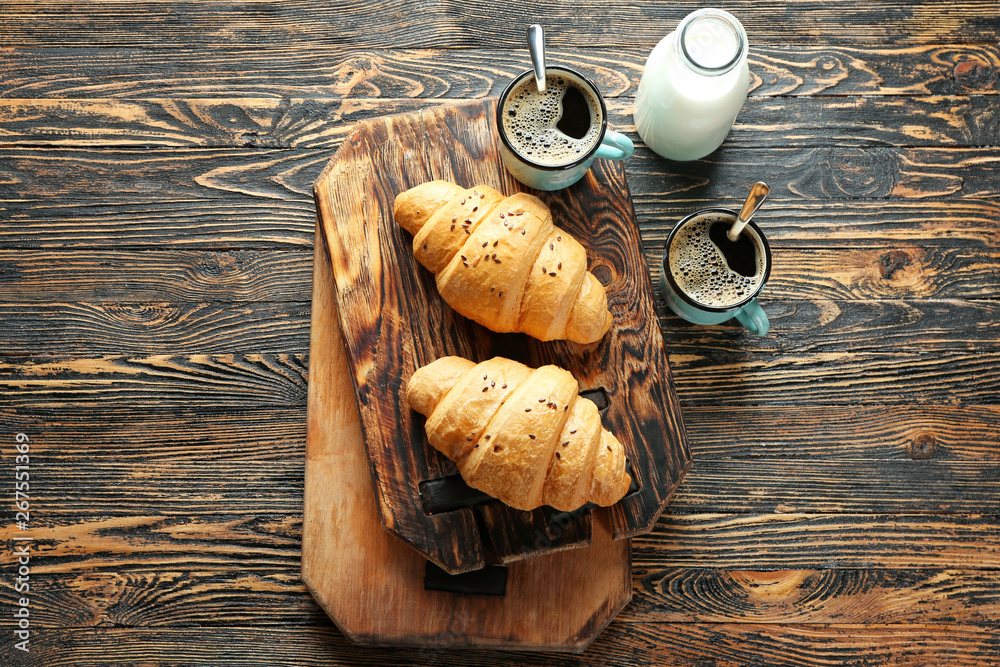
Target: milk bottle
(695, 81)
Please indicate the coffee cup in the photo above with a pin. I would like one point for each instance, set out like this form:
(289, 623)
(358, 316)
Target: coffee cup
(708, 279)
(549, 140)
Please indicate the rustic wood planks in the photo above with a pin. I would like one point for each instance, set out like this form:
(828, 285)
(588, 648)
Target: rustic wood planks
(450, 24)
(240, 75)
(146, 146)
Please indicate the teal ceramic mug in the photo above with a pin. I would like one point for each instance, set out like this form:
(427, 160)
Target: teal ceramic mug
(707, 279)
(549, 140)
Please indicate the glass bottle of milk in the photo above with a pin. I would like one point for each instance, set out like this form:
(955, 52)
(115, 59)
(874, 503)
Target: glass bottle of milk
(695, 81)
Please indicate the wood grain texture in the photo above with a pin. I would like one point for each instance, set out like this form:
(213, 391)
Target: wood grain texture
(273, 176)
(154, 328)
(450, 24)
(864, 434)
(322, 123)
(175, 489)
(166, 222)
(100, 592)
(758, 542)
(817, 223)
(729, 379)
(883, 173)
(238, 122)
(738, 467)
(822, 325)
(107, 175)
(682, 644)
(237, 488)
(905, 271)
(170, 277)
(797, 486)
(860, 432)
(740, 644)
(177, 224)
(135, 328)
(938, 279)
(683, 595)
(388, 336)
(787, 541)
(236, 71)
(163, 593)
(164, 381)
(375, 320)
(156, 244)
(837, 378)
(144, 433)
(347, 556)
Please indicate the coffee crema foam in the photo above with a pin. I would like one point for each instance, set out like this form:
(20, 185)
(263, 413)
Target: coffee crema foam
(530, 118)
(700, 269)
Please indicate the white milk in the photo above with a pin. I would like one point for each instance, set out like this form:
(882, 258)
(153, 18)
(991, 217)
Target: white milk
(693, 86)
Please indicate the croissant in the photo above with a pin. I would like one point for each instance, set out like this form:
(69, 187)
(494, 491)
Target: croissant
(520, 435)
(501, 262)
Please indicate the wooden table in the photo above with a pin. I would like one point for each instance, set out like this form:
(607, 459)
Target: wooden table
(156, 245)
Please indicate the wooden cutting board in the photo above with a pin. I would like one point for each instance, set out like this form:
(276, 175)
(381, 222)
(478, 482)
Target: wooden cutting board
(394, 321)
(373, 585)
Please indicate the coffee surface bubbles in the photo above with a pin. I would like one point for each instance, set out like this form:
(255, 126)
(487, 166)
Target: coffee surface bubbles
(700, 270)
(553, 128)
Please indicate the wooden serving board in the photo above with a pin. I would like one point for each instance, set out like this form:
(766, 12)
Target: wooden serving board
(373, 585)
(393, 321)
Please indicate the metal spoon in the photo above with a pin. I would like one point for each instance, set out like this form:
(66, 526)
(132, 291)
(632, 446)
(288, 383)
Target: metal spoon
(758, 193)
(536, 48)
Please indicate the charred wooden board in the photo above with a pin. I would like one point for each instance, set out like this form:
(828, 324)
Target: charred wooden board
(394, 321)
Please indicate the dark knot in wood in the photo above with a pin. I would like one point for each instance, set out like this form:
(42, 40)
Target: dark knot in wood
(869, 172)
(603, 274)
(893, 262)
(922, 446)
(860, 172)
(828, 62)
(217, 265)
(974, 74)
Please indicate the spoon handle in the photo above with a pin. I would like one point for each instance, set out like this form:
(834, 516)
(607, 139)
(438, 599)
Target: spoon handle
(536, 49)
(758, 193)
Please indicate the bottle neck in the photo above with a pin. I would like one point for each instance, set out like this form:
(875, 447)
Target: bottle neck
(710, 42)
